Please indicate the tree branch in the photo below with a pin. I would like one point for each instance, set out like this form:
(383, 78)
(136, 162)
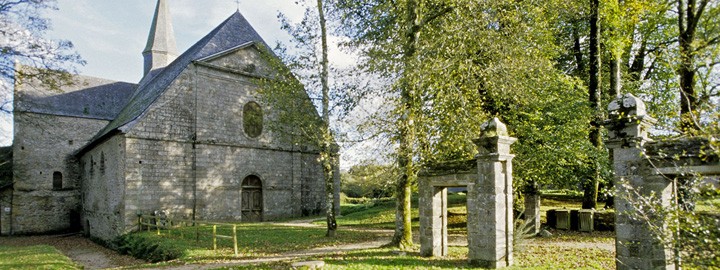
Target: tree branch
(710, 42)
(435, 15)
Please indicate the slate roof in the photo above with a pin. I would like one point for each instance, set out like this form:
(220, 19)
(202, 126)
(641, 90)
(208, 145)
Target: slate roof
(234, 31)
(87, 97)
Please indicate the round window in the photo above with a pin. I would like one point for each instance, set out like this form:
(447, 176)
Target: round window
(252, 119)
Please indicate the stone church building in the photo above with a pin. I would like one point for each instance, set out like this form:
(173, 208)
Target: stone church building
(191, 139)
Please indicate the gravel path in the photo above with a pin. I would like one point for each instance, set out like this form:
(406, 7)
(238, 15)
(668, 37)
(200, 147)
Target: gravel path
(78, 248)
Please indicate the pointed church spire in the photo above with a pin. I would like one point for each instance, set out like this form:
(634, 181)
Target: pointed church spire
(160, 49)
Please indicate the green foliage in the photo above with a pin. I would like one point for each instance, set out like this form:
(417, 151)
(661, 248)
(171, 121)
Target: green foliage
(694, 233)
(381, 213)
(34, 257)
(26, 53)
(369, 181)
(459, 80)
(373, 215)
(152, 249)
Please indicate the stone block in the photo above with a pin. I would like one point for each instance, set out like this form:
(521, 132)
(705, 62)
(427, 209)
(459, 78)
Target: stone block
(586, 220)
(562, 221)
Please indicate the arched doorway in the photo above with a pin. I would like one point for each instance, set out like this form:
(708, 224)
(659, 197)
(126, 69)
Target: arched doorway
(251, 199)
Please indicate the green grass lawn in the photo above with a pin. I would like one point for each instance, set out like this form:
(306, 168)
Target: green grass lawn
(381, 215)
(532, 257)
(34, 257)
(254, 240)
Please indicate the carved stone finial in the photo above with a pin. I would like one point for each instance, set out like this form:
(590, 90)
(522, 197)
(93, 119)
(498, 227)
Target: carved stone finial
(628, 118)
(494, 138)
(627, 105)
(493, 128)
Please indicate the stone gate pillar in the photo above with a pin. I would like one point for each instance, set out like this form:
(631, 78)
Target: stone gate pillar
(532, 207)
(433, 219)
(490, 199)
(635, 246)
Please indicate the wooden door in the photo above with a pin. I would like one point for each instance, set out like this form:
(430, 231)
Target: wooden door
(251, 199)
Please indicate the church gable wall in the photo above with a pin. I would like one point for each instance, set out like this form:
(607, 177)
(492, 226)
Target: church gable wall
(221, 101)
(160, 156)
(46, 175)
(313, 186)
(221, 170)
(225, 87)
(246, 60)
(103, 189)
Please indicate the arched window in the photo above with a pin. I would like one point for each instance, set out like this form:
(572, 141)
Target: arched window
(252, 119)
(57, 180)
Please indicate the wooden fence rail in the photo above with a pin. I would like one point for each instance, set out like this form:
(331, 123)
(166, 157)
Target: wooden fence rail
(159, 223)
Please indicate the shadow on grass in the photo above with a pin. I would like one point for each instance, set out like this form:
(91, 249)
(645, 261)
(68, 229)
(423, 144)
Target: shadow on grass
(386, 259)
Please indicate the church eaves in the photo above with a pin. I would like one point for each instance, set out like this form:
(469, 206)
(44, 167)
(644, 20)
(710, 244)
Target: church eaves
(233, 32)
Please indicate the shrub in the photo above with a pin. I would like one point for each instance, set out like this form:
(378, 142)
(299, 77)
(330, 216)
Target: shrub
(150, 249)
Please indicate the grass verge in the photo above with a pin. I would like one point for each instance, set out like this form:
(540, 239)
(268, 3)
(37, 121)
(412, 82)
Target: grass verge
(34, 257)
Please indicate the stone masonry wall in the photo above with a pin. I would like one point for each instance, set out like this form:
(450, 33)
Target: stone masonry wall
(221, 98)
(5, 218)
(158, 176)
(44, 144)
(164, 163)
(219, 181)
(103, 189)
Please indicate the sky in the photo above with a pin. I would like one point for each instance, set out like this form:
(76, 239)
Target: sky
(111, 34)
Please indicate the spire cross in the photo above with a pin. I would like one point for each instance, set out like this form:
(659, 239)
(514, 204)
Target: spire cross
(238, 4)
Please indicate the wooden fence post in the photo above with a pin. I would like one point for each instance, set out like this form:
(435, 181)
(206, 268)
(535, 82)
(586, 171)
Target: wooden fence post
(197, 232)
(235, 239)
(214, 235)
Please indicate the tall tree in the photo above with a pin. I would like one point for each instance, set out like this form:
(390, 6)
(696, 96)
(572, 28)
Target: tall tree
(595, 97)
(690, 14)
(26, 53)
(387, 33)
(327, 155)
(309, 67)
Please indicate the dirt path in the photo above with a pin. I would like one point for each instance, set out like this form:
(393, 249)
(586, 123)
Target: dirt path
(78, 248)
